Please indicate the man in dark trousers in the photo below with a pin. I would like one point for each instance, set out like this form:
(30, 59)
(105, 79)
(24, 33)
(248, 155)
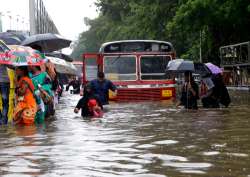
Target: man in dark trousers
(101, 87)
(76, 84)
(83, 103)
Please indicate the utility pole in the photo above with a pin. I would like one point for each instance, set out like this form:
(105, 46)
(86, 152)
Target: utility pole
(10, 18)
(32, 20)
(200, 46)
(17, 22)
(23, 26)
(1, 24)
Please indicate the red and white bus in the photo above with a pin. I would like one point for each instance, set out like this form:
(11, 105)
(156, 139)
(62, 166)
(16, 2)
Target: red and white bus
(136, 67)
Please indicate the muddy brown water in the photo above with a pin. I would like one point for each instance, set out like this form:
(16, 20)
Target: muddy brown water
(152, 139)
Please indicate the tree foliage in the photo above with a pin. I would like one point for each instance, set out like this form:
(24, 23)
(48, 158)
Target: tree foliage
(185, 23)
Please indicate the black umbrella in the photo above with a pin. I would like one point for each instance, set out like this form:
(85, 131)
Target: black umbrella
(47, 42)
(11, 38)
(21, 35)
(3, 47)
(181, 66)
(202, 69)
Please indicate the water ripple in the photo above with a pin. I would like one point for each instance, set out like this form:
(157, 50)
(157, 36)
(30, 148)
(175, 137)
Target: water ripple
(150, 139)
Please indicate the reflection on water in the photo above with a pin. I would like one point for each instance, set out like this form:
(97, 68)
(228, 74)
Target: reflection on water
(135, 139)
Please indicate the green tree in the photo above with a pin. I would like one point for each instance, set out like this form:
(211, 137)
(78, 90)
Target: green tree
(221, 21)
(181, 22)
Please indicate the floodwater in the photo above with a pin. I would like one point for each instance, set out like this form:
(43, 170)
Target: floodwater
(136, 139)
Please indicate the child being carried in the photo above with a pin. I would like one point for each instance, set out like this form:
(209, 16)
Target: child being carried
(89, 104)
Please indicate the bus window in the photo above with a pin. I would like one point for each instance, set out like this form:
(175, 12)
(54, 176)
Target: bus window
(112, 48)
(136, 46)
(153, 67)
(165, 48)
(91, 69)
(120, 68)
(155, 47)
(133, 47)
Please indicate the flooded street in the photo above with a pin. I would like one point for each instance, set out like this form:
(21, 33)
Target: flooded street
(133, 139)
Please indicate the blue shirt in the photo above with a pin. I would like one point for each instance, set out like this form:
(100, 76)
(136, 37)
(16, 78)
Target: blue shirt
(101, 89)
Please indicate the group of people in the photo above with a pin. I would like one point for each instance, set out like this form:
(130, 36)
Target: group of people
(212, 92)
(95, 95)
(28, 94)
(75, 84)
(36, 89)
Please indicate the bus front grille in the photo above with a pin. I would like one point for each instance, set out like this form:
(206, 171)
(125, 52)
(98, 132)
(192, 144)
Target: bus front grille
(139, 94)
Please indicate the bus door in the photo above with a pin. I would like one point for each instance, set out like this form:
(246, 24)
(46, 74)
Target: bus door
(91, 66)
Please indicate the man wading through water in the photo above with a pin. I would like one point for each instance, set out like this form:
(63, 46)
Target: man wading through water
(101, 87)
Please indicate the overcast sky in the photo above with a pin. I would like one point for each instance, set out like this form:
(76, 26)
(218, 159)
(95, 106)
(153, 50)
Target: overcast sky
(67, 15)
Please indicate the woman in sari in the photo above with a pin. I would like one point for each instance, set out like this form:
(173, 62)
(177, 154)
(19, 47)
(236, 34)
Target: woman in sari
(49, 67)
(26, 107)
(42, 82)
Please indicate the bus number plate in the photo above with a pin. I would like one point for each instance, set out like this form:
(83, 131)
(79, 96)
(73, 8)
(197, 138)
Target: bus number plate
(167, 93)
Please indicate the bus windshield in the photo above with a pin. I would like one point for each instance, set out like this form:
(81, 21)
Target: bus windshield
(153, 67)
(120, 68)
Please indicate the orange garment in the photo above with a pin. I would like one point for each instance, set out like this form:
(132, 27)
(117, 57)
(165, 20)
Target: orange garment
(26, 108)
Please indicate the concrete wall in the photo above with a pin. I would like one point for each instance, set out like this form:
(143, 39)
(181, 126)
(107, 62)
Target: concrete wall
(40, 21)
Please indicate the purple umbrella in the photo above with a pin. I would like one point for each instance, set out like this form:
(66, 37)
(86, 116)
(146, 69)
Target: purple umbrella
(213, 68)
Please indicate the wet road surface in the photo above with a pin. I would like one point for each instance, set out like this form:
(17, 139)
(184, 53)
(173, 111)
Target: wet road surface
(133, 139)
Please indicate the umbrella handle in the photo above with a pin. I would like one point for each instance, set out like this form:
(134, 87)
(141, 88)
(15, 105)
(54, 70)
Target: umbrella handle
(189, 82)
(187, 88)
